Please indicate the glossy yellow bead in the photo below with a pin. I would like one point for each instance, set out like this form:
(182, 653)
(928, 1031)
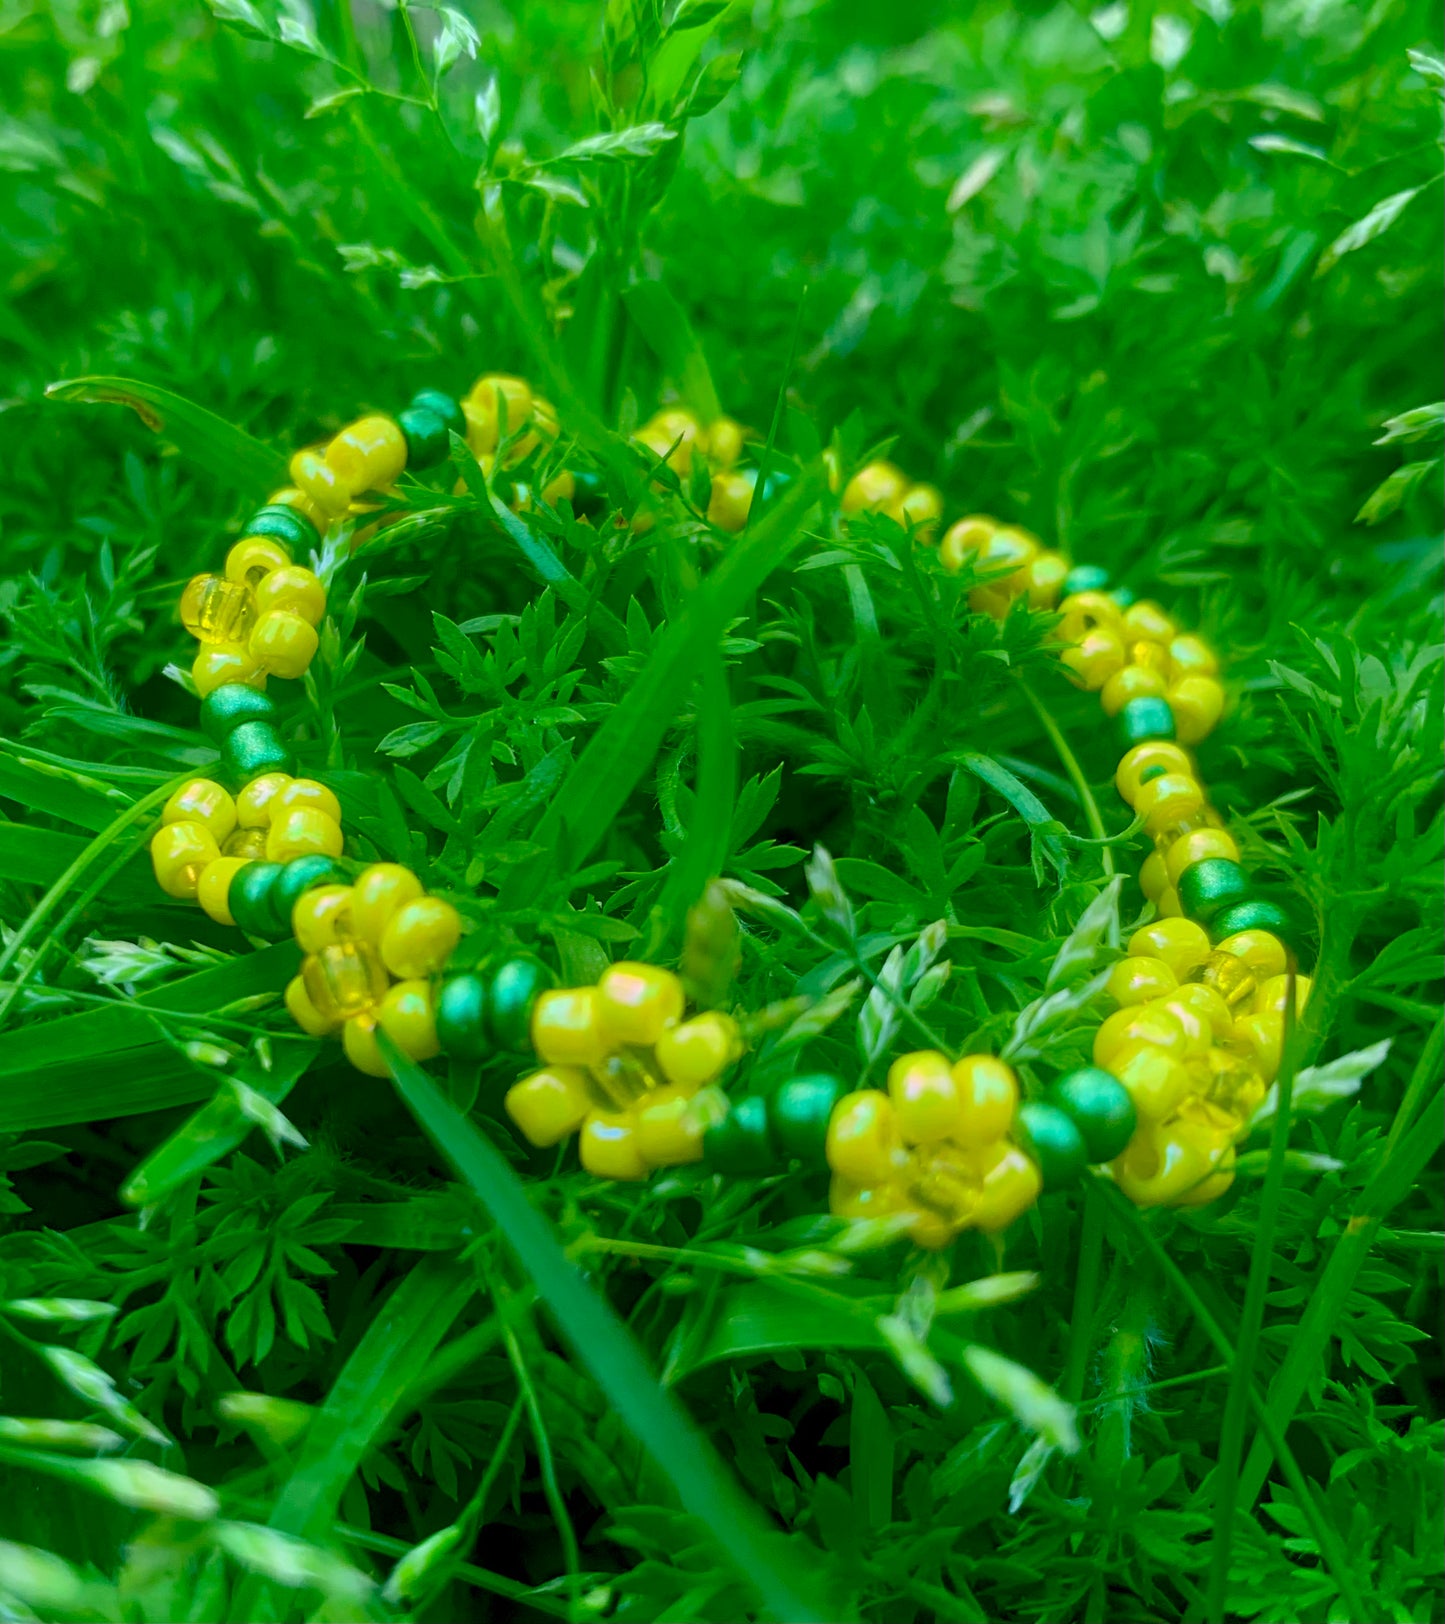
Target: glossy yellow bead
(1156, 1080)
(1136, 981)
(1208, 1005)
(289, 496)
(1197, 703)
(1148, 1023)
(876, 486)
(1011, 1184)
(1230, 976)
(1191, 656)
(1146, 620)
(490, 397)
(369, 454)
(988, 1093)
(1131, 682)
(1095, 659)
(407, 1014)
(636, 1003)
(321, 482)
(550, 1105)
(1143, 758)
(1167, 799)
(694, 1053)
(1082, 611)
(1181, 943)
(567, 1028)
(202, 801)
(731, 500)
(420, 936)
(1152, 656)
(724, 442)
(922, 507)
(219, 663)
(301, 830)
(1153, 877)
(1195, 847)
(1262, 951)
(283, 643)
(863, 1142)
(1273, 994)
(1008, 545)
(964, 539)
(344, 979)
(1045, 576)
(607, 1146)
(1178, 1164)
(304, 1012)
(1260, 1038)
(307, 792)
(213, 887)
(322, 917)
(1168, 904)
(673, 434)
(256, 804)
(1198, 1031)
(298, 591)
(254, 558)
(926, 1103)
(179, 853)
(358, 1038)
(669, 1128)
(377, 893)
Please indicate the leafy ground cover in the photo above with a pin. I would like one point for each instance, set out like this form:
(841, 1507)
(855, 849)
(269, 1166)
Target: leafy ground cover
(1161, 283)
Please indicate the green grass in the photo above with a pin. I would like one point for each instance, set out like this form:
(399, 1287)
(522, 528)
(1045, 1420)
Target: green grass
(1161, 283)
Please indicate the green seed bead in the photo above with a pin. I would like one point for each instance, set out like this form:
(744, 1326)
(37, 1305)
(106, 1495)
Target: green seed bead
(301, 875)
(741, 1144)
(1123, 596)
(1086, 578)
(1145, 719)
(254, 748)
(252, 900)
(514, 989)
(427, 441)
(461, 1017)
(1255, 913)
(226, 707)
(1100, 1108)
(1053, 1139)
(1208, 887)
(798, 1114)
(441, 405)
(283, 523)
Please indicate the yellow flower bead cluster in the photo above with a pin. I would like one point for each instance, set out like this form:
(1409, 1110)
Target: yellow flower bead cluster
(676, 437)
(623, 1067)
(935, 1146)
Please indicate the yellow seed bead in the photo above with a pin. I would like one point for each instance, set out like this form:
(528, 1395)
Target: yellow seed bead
(1195, 847)
(922, 507)
(1095, 659)
(544, 426)
(343, 980)
(301, 831)
(1141, 759)
(179, 852)
(419, 937)
(483, 410)
(1174, 1165)
(377, 893)
(1191, 656)
(408, 1017)
(931, 1230)
(215, 610)
(1136, 981)
(254, 558)
(989, 1094)
(607, 1146)
(1261, 950)
(863, 1142)
(1181, 943)
(567, 1028)
(1260, 1038)
(213, 887)
(1011, 1185)
(1145, 619)
(965, 538)
(1230, 976)
(1153, 877)
(304, 1012)
(219, 663)
(1207, 1004)
(307, 792)
(1149, 1023)
(638, 1002)
(926, 1103)
(561, 487)
(284, 643)
(673, 435)
(320, 481)
(990, 600)
(1168, 904)
(1197, 703)
(1273, 994)
(725, 442)
(257, 803)
(202, 801)
(249, 843)
(874, 487)
(1167, 799)
(1234, 1092)
(369, 454)
(294, 589)
(1132, 682)
(1156, 1080)
(669, 1128)
(358, 1038)
(1198, 1032)
(847, 1198)
(550, 1104)
(1046, 575)
(695, 1053)
(289, 496)
(322, 917)
(731, 500)
(1152, 656)
(1083, 611)
(1008, 545)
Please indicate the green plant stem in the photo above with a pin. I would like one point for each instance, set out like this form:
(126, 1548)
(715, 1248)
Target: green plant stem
(1086, 1295)
(480, 1578)
(1075, 774)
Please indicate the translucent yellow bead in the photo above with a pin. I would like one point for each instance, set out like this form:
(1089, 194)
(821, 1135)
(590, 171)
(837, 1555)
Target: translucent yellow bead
(1132, 682)
(1136, 981)
(1231, 978)
(1208, 1005)
(1197, 703)
(1164, 800)
(219, 663)
(731, 500)
(1234, 1091)
(408, 1017)
(964, 539)
(1143, 758)
(1145, 619)
(1195, 847)
(202, 801)
(1273, 994)
(926, 1103)
(1083, 611)
(307, 792)
(297, 590)
(343, 980)
(638, 1002)
(284, 643)
(322, 917)
(874, 487)
(695, 1053)
(1011, 1184)
(320, 481)
(369, 454)
(669, 1128)
(250, 843)
(179, 852)
(1262, 951)
(358, 1038)
(1148, 1023)
(608, 1147)
(419, 937)
(549, 1105)
(1178, 1164)
(253, 558)
(1156, 1080)
(989, 1094)
(725, 440)
(1260, 1037)
(256, 804)
(213, 887)
(1191, 656)
(301, 831)
(483, 410)
(304, 1012)
(1181, 943)
(1095, 658)
(1046, 575)
(378, 892)
(863, 1143)
(922, 507)
(1153, 877)
(567, 1028)
(216, 610)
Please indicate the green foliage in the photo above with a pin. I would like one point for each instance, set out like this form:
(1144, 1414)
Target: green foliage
(1159, 282)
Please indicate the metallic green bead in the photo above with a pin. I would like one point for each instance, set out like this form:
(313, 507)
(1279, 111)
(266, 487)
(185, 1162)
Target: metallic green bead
(252, 900)
(1086, 578)
(254, 748)
(1254, 913)
(461, 1016)
(283, 523)
(1099, 1106)
(427, 441)
(1052, 1138)
(1208, 887)
(300, 875)
(441, 405)
(515, 988)
(1145, 719)
(798, 1114)
(226, 707)
(741, 1144)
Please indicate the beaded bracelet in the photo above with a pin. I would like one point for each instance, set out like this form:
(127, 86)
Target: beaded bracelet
(1179, 1068)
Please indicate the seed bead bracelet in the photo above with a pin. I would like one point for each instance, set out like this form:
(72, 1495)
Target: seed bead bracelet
(1179, 1068)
